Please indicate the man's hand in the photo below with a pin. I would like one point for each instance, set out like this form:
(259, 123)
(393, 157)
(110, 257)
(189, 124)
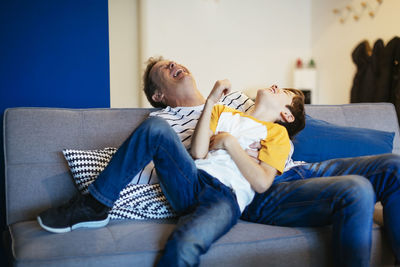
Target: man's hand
(221, 88)
(253, 151)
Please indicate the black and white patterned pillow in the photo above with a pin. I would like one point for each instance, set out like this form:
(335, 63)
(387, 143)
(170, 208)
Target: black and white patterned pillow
(136, 201)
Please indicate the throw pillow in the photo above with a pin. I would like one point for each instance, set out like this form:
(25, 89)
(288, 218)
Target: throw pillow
(321, 140)
(136, 201)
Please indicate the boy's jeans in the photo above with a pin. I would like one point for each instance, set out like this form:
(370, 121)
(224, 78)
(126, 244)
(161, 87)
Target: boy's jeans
(211, 208)
(346, 202)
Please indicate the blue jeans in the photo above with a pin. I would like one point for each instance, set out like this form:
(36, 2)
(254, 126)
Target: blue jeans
(209, 208)
(346, 202)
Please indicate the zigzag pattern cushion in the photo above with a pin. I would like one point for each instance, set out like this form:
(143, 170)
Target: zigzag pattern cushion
(136, 201)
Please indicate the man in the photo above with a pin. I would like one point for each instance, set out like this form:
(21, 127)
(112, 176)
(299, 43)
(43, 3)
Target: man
(292, 200)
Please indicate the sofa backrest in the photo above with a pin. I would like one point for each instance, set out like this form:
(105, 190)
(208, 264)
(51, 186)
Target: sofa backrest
(37, 176)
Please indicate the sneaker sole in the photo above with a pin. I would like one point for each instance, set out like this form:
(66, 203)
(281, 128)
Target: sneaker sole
(91, 224)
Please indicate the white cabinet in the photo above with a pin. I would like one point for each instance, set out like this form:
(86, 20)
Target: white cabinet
(305, 79)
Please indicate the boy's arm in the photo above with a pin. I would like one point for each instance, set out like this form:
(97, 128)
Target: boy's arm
(259, 175)
(202, 133)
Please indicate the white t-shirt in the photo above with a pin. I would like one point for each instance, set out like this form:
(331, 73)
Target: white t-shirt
(275, 149)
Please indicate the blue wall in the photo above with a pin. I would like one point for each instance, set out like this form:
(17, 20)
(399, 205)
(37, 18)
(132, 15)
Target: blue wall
(53, 53)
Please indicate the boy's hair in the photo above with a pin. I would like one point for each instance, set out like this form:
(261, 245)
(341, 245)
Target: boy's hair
(149, 86)
(297, 110)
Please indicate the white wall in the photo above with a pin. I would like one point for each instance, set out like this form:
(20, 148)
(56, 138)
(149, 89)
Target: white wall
(253, 43)
(124, 53)
(333, 42)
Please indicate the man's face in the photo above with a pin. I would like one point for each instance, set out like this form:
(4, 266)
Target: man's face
(172, 78)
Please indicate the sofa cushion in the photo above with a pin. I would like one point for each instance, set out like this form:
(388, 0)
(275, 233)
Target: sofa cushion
(136, 201)
(321, 140)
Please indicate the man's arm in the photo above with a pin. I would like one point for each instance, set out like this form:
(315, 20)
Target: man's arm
(259, 175)
(202, 133)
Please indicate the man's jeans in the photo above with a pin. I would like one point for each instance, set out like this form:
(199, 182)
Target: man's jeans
(211, 208)
(346, 202)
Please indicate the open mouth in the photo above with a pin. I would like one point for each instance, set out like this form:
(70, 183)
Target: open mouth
(274, 89)
(177, 73)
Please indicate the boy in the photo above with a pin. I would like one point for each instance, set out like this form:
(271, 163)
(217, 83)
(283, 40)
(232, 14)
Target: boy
(232, 132)
(219, 142)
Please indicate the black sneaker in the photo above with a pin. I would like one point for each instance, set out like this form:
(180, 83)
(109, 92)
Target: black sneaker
(73, 215)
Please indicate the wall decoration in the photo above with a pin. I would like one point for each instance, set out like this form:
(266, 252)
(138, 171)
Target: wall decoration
(356, 11)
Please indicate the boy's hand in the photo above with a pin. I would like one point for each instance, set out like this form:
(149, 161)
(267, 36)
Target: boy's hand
(253, 151)
(221, 88)
(220, 140)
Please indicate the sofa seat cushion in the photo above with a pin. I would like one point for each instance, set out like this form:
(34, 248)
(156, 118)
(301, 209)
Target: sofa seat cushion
(138, 243)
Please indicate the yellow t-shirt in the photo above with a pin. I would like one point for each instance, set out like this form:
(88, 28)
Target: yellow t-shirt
(275, 149)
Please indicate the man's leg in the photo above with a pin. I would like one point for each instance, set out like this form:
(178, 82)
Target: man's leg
(215, 214)
(345, 202)
(383, 172)
(153, 139)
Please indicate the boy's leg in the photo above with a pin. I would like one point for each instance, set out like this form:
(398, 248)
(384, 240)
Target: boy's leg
(153, 139)
(345, 202)
(383, 171)
(215, 214)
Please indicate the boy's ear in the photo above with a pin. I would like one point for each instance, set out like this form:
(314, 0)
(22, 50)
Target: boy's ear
(287, 116)
(157, 96)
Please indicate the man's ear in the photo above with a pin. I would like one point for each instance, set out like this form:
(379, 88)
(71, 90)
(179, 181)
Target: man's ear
(157, 96)
(287, 116)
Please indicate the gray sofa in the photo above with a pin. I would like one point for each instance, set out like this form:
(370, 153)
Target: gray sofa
(37, 177)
